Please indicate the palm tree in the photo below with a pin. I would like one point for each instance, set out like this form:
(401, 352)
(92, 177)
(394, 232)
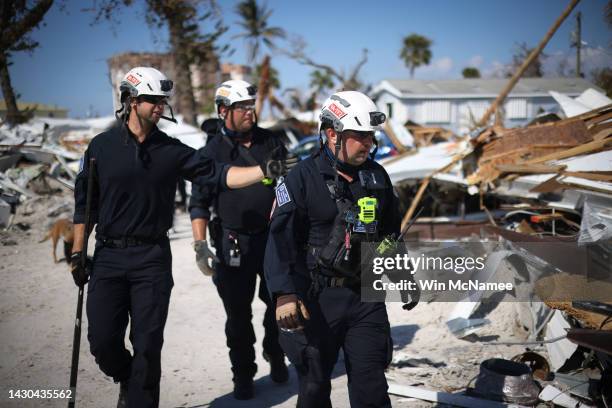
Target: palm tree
(257, 32)
(320, 81)
(273, 80)
(416, 51)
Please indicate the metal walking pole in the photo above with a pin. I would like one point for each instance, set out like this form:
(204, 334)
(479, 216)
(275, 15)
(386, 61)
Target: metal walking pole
(76, 341)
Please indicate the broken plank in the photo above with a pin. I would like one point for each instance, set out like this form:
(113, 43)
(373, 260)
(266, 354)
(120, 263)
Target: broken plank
(533, 168)
(599, 118)
(549, 186)
(597, 176)
(600, 132)
(574, 151)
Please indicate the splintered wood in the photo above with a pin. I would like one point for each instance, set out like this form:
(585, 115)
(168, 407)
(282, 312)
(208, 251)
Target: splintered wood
(529, 150)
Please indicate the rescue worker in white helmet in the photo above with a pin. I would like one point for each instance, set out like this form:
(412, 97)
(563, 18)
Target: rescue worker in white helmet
(238, 227)
(130, 279)
(312, 262)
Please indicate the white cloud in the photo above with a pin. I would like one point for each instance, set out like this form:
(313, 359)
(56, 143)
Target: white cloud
(475, 61)
(444, 64)
(439, 68)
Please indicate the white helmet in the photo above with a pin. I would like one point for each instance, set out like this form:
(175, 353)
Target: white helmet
(145, 81)
(235, 90)
(351, 110)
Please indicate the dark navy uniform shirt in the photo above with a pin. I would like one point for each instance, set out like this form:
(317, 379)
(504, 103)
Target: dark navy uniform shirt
(304, 215)
(245, 210)
(136, 182)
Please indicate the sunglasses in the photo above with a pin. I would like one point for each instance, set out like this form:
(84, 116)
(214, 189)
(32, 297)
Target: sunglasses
(359, 135)
(244, 108)
(154, 99)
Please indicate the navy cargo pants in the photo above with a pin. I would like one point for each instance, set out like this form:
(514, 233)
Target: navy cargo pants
(130, 284)
(236, 287)
(338, 319)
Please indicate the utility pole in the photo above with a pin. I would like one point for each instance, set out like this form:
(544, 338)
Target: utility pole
(578, 43)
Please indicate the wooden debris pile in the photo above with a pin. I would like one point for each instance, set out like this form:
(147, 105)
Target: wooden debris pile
(509, 153)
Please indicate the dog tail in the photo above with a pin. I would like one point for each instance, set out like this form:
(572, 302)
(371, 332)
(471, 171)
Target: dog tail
(46, 237)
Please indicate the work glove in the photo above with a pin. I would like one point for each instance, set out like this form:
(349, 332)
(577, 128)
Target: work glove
(274, 167)
(290, 313)
(80, 274)
(204, 257)
(415, 296)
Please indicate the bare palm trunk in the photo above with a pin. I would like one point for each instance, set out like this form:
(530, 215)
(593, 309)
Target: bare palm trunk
(13, 116)
(264, 85)
(186, 100)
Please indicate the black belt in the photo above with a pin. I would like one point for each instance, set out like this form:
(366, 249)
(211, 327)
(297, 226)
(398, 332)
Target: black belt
(125, 242)
(320, 282)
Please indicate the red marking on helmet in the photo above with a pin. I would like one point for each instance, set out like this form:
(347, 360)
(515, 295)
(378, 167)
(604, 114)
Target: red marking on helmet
(335, 109)
(132, 79)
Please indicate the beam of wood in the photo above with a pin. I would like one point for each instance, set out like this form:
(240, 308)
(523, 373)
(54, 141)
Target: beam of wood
(526, 63)
(415, 201)
(529, 168)
(393, 137)
(423, 186)
(596, 176)
(602, 131)
(598, 119)
(574, 151)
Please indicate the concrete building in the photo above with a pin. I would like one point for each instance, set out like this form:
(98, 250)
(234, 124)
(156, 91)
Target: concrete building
(235, 71)
(457, 104)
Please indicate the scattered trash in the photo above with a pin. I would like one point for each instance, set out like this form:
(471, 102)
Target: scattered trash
(505, 380)
(558, 397)
(459, 400)
(537, 364)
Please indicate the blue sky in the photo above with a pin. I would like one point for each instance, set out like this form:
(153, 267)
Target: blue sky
(69, 68)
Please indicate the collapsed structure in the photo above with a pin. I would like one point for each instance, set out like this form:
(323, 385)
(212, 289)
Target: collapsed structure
(545, 192)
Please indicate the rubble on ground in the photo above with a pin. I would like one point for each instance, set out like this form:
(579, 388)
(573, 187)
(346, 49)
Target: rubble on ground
(548, 183)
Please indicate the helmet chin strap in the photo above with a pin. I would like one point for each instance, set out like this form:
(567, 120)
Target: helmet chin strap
(234, 134)
(373, 153)
(172, 119)
(336, 153)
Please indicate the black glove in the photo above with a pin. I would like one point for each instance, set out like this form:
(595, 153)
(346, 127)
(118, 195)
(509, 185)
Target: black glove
(291, 160)
(274, 168)
(80, 274)
(415, 296)
(203, 255)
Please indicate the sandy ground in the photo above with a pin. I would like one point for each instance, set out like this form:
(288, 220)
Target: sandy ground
(37, 309)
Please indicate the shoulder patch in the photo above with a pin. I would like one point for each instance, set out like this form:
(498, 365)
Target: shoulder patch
(282, 195)
(81, 164)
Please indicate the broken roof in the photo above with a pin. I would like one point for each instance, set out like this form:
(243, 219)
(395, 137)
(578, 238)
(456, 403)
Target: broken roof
(484, 88)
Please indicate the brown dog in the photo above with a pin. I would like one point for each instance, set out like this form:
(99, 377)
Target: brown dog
(61, 228)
